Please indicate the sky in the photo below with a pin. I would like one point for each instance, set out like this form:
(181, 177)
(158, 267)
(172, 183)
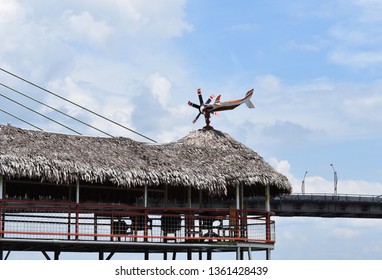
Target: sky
(315, 67)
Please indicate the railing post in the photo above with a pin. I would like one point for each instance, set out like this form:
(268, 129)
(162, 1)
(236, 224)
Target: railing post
(145, 231)
(268, 227)
(237, 218)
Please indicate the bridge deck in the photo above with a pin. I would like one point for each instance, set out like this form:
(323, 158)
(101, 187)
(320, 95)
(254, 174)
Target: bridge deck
(323, 205)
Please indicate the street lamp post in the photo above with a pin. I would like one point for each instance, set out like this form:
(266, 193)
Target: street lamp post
(303, 183)
(335, 179)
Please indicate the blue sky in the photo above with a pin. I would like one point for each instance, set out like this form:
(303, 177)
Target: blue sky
(315, 67)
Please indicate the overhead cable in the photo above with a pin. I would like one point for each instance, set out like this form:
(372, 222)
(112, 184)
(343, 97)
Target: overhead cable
(75, 104)
(34, 111)
(20, 119)
(52, 108)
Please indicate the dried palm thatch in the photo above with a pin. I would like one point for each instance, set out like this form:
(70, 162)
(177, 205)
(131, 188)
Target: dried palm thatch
(203, 160)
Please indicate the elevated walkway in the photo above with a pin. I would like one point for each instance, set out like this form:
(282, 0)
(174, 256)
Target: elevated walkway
(323, 205)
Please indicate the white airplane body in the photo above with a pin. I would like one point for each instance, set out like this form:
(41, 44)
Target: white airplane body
(207, 108)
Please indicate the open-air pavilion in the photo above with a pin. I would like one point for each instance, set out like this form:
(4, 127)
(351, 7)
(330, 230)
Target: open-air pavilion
(67, 193)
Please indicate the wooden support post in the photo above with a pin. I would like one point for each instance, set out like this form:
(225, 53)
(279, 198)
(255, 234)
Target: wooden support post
(209, 254)
(77, 202)
(237, 197)
(110, 255)
(268, 254)
(249, 253)
(146, 196)
(78, 191)
(268, 219)
(1, 187)
(267, 199)
(189, 198)
(2, 218)
(45, 255)
(1, 214)
(7, 255)
(57, 255)
(238, 255)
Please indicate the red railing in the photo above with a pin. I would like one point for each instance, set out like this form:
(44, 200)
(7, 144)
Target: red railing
(99, 222)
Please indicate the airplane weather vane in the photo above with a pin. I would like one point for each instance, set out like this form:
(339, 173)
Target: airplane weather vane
(207, 108)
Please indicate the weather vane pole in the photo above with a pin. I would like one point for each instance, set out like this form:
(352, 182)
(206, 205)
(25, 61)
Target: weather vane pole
(207, 108)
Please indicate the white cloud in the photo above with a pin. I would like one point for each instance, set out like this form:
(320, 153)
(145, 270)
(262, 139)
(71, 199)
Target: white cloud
(243, 27)
(107, 104)
(357, 37)
(11, 12)
(267, 84)
(318, 184)
(157, 19)
(357, 59)
(364, 109)
(102, 55)
(345, 232)
(313, 111)
(348, 33)
(83, 27)
(160, 88)
(369, 10)
(316, 46)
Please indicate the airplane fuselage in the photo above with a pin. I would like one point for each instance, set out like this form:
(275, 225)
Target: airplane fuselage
(227, 105)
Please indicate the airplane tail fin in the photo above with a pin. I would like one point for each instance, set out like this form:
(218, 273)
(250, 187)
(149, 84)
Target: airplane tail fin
(248, 99)
(249, 104)
(217, 100)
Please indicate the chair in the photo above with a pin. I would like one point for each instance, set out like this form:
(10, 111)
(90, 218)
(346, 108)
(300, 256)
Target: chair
(140, 222)
(120, 228)
(212, 225)
(170, 224)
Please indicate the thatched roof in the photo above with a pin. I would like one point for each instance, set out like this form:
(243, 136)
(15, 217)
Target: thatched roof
(204, 160)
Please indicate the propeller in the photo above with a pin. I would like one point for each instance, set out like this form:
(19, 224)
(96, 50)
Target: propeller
(202, 106)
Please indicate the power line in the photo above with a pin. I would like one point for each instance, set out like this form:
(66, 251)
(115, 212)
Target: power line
(50, 107)
(75, 104)
(34, 111)
(20, 119)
